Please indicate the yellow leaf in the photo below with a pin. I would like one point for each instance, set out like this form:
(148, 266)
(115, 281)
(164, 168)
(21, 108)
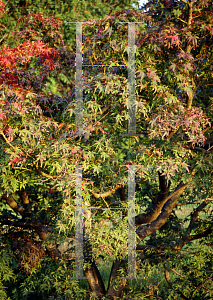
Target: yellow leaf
(106, 27)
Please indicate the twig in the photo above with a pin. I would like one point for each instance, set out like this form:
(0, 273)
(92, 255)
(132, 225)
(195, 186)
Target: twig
(167, 277)
(182, 20)
(144, 247)
(198, 287)
(6, 140)
(177, 273)
(3, 37)
(195, 202)
(105, 194)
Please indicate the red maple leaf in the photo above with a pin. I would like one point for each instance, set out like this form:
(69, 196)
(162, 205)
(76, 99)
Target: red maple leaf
(175, 40)
(2, 116)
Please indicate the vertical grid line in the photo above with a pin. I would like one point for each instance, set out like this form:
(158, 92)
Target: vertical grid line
(79, 225)
(79, 83)
(131, 80)
(131, 223)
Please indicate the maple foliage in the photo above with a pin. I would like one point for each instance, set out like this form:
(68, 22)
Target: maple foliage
(172, 151)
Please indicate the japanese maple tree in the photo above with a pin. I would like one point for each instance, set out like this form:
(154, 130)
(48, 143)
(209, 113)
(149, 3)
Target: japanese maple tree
(172, 154)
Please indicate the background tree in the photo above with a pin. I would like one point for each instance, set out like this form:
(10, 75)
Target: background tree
(69, 11)
(40, 151)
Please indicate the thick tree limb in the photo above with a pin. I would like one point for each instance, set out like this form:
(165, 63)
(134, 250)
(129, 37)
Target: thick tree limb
(92, 273)
(94, 279)
(158, 204)
(24, 198)
(118, 292)
(144, 231)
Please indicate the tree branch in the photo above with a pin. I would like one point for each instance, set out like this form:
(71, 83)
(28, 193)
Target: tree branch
(39, 228)
(195, 216)
(167, 277)
(6, 140)
(94, 279)
(13, 204)
(45, 174)
(43, 232)
(182, 20)
(144, 231)
(195, 202)
(158, 204)
(172, 133)
(177, 273)
(24, 197)
(201, 285)
(5, 35)
(105, 194)
(189, 21)
(150, 196)
(15, 224)
(112, 291)
(122, 193)
(200, 235)
(92, 273)
(144, 247)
